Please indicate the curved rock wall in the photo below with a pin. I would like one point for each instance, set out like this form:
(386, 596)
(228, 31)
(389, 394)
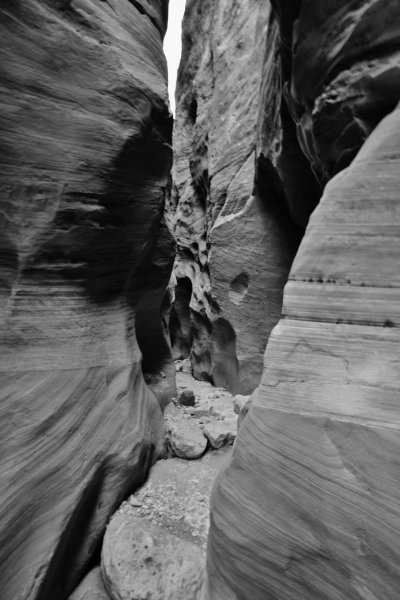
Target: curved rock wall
(341, 74)
(85, 160)
(309, 506)
(229, 216)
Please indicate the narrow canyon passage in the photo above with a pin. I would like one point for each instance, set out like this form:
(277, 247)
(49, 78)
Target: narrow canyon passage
(208, 293)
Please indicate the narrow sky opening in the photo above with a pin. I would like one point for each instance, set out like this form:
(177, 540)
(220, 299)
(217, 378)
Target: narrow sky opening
(173, 45)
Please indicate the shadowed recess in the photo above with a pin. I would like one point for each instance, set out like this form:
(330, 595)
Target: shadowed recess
(79, 547)
(225, 363)
(180, 324)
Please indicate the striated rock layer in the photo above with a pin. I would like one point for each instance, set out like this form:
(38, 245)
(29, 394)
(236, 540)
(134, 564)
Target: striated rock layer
(228, 209)
(309, 506)
(84, 262)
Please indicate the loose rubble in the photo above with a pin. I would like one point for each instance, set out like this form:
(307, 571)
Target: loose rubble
(202, 417)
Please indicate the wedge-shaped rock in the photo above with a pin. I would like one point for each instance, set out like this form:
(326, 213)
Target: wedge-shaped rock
(310, 506)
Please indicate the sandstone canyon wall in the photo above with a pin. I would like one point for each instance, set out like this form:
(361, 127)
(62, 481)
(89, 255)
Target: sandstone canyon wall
(84, 253)
(309, 506)
(228, 211)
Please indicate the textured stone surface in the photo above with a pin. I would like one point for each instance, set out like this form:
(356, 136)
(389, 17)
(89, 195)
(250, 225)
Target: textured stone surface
(84, 163)
(234, 236)
(341, 73)
(187, 398)
(239, 402)
(176, 495)
(91, 588)
(220, 432)
(309, 507)
(141, 561)
(270, 107)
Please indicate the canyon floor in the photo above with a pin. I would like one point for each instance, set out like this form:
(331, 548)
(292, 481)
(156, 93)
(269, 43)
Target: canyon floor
(158, 537)
(176, 496)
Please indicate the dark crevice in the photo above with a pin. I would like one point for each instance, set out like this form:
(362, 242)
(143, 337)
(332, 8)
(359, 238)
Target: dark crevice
(180, 323)
(80, 544)
(192, 111)
(225, 363)
(145, 293)
(270, 189)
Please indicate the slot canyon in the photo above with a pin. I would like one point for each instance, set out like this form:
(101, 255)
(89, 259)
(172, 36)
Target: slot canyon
(200, 312)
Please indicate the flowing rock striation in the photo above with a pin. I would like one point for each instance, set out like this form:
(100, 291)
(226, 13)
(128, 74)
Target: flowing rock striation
(229, 216)
(340, 72)
(309, 506)
(84, 262)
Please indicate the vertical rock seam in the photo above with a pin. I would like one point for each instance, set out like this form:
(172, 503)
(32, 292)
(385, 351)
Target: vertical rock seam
(85, 162)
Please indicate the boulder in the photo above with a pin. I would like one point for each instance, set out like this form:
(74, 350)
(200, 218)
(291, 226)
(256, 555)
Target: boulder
(141, 561)
(186, 440)
(184, 435)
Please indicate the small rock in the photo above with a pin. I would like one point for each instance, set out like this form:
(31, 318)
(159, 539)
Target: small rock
(221, 432)
(243, 412)
(187, 398)
(239, 402)
(141, 560)
(135, 501)
(91, 588)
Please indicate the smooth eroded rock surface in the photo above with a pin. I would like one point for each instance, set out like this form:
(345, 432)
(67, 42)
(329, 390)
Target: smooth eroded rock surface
(309, 507)
(84, 262)
(141, 561)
